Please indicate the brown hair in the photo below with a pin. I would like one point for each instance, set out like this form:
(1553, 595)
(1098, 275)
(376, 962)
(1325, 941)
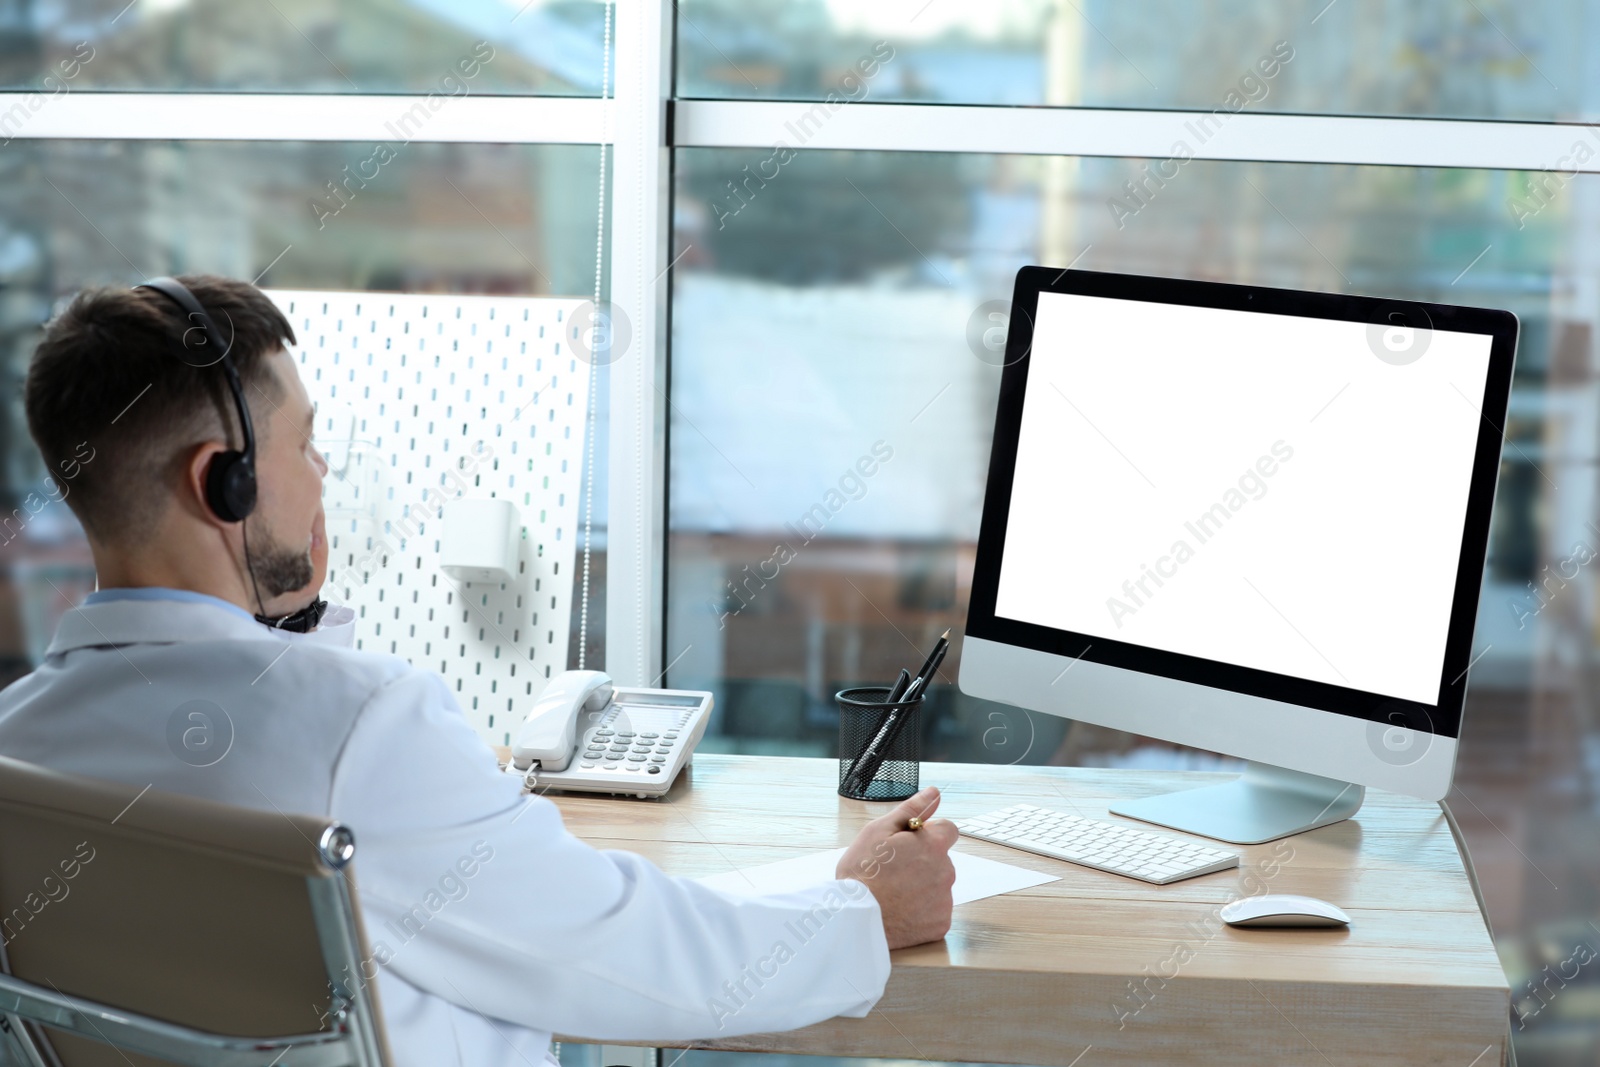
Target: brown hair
(112, 380)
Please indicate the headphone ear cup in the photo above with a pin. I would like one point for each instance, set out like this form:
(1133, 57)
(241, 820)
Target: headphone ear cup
(231, 486)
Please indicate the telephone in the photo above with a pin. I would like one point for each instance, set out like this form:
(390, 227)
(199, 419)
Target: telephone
(586, 735)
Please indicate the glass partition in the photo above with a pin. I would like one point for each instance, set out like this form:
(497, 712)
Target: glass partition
(445, 218)
(549, 47)
(836, 351)
(1533, 60)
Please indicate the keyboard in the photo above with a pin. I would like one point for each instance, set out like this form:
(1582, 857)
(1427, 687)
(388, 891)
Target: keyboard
(1105, 846)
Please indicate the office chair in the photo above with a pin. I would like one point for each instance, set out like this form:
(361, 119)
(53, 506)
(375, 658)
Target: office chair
(147, 928)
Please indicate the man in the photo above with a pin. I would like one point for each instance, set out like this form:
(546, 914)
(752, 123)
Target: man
(545, 934)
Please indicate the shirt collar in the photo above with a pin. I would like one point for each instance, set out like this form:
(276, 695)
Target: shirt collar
(102, 596)
(116, 619)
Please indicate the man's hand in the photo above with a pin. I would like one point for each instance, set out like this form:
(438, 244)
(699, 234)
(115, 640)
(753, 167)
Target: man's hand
(908, 871)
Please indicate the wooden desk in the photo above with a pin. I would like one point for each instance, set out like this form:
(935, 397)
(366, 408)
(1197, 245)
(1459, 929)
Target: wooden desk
(1134, 973)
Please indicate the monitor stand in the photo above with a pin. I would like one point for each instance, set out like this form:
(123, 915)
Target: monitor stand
(1262, 804)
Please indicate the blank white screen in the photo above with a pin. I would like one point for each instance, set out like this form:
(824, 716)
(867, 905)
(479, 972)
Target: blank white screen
(1338, 566)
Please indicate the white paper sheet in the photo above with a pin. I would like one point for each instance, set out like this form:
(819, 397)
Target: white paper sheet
(976, 877)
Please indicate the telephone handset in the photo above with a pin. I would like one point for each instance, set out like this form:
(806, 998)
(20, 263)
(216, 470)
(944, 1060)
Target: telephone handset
(584, 734)
(547, 731)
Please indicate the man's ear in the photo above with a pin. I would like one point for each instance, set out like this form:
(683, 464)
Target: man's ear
(192, 496)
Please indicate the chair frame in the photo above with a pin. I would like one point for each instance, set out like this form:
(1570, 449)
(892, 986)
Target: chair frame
(353, 1042)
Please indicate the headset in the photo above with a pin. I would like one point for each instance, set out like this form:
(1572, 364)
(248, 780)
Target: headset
(230, 475)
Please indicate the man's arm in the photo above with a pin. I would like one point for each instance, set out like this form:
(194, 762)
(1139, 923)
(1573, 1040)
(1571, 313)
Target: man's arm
(480, 896)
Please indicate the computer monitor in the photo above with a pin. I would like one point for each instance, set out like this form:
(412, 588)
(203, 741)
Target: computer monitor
(1248, 520)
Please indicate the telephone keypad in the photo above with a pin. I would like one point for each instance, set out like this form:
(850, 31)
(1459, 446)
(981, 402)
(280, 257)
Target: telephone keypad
(612, 749)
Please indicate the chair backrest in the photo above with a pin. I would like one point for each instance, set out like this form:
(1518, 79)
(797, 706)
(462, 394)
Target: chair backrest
(150, 928)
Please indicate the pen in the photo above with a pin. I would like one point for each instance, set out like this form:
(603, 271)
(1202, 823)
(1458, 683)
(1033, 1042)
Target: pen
(892, 727)
(924, 677)
(867, 762)
(896, 693)
(935, 658)
(866, 765)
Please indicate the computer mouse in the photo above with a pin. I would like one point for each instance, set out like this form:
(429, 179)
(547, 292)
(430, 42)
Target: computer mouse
(1283, 909)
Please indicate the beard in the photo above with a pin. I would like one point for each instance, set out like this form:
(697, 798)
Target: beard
(278, 568)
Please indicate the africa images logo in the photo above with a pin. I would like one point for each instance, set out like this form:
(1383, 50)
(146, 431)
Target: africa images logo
(1401, 336)
(1400, 740)
(199, 732)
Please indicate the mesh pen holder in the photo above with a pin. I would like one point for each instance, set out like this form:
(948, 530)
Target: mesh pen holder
(862, 715)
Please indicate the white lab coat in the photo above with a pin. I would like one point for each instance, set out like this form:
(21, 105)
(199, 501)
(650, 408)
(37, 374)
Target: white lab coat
(545, 934)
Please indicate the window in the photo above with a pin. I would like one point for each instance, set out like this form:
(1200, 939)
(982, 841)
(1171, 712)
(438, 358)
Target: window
(1488, 59)
(845, 268)
(431, 218)
(428, 149)
(549, 47)
(874, 334)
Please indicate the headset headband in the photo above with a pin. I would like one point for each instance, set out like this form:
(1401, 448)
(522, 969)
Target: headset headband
(231, 479)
